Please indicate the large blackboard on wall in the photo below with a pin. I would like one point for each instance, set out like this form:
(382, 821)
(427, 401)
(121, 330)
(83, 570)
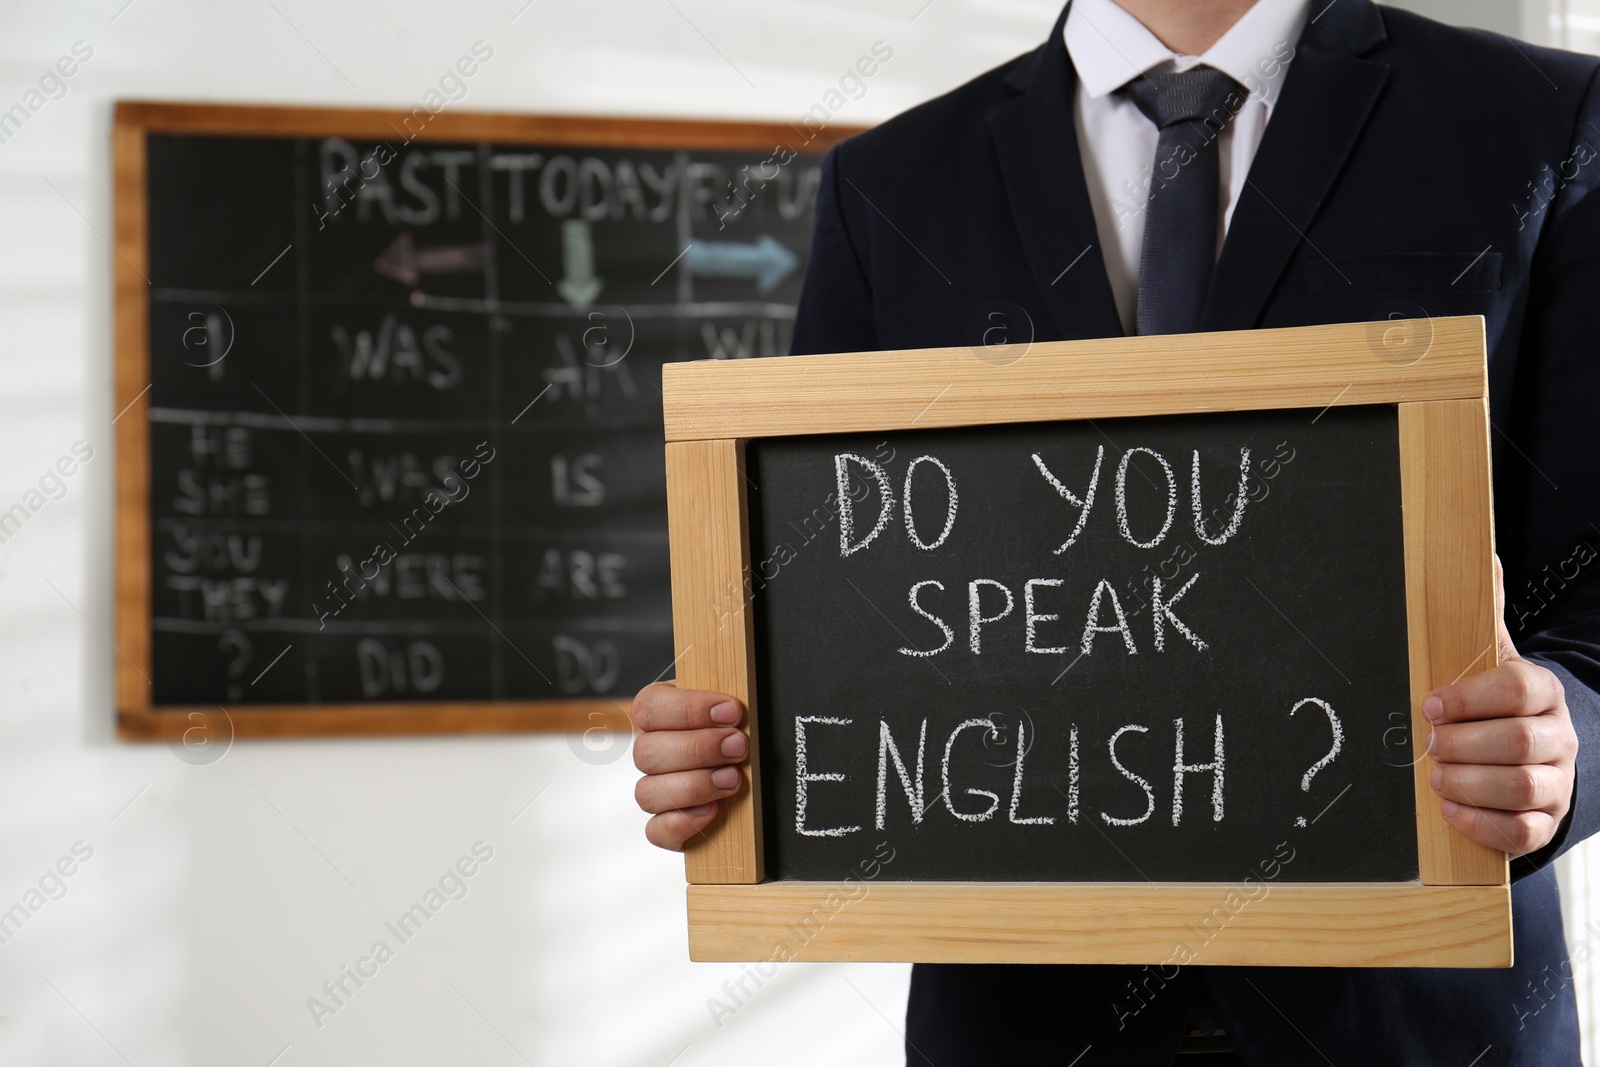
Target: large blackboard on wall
(391, 450)
(1055, 631)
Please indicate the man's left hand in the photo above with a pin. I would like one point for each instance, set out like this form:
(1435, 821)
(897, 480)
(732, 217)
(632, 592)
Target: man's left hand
(1504, 749)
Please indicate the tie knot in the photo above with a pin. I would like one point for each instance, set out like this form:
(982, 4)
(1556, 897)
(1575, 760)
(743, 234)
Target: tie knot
(1184, 96)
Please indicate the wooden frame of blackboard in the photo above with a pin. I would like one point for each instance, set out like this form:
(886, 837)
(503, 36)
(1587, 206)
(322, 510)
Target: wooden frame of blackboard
(138, 719)
(1458, 911)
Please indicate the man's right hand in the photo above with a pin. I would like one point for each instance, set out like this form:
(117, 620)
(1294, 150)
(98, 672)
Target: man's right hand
(689, 748)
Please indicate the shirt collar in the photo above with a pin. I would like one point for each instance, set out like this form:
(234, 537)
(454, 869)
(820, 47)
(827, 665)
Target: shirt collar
(1109, 47)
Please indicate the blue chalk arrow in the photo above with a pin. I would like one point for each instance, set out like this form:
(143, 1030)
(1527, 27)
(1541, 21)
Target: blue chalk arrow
(767, 261)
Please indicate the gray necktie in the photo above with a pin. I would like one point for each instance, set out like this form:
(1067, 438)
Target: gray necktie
(1190, 108)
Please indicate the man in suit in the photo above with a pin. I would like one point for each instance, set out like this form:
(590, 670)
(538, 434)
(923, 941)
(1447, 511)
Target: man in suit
(1180, 165)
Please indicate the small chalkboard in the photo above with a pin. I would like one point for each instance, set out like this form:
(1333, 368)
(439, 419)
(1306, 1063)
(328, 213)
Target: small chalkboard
(389, 403)
(1134, 629)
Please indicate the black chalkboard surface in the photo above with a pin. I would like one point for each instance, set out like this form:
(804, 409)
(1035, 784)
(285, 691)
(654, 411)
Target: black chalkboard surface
(402, 429)
(1032, 652)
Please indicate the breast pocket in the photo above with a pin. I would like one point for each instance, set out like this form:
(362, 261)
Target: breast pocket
(1414, 272)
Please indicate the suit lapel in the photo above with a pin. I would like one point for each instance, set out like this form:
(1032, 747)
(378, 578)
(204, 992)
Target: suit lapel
(1036, 138)
(1326, 101)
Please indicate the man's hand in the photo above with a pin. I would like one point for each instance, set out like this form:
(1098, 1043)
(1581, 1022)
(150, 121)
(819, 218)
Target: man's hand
(688, 751)
(1504, 749)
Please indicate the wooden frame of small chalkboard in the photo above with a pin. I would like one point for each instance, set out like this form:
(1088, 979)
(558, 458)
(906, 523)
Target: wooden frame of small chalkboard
(139, 716)
(1457, 911)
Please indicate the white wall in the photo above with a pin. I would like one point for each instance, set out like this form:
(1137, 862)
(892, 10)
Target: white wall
(222, 896)
(219, 897)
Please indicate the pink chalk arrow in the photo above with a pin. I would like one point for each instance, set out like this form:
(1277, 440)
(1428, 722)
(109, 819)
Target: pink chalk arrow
(406, 263)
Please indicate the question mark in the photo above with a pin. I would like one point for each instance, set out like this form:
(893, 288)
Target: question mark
(241, 644)
(1338, 743)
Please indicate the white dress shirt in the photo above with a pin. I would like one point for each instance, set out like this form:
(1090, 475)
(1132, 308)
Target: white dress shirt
(1109, 48)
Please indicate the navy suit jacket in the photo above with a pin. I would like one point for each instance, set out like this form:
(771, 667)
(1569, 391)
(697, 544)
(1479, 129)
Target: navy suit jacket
(1410, 169)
